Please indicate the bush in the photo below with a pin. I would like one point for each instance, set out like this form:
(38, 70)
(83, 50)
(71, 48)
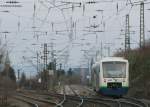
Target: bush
(139, 70)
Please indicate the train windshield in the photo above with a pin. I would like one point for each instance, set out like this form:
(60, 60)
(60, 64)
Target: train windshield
(114, 69)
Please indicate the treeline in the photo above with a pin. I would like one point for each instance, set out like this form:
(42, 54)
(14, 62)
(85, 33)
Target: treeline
(7, 73)
(68, 77)
(8, 78)
(139, 71)
(49, 81)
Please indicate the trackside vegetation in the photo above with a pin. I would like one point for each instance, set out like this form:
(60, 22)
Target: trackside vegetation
(139, 70)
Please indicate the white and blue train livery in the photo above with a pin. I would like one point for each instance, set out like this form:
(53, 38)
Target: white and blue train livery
(110, 76)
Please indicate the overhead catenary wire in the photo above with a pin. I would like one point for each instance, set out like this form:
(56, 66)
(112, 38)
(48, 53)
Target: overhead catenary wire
(65, 21)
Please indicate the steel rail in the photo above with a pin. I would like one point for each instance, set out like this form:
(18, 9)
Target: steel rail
(77, 98)
(64, 99)
(75, 93)
(121, 102)
(125, 101)
(130, 103)
(136, 101)
(97, 102)
(89, 100)
(106, 101)
(37, 99)
(29, 102)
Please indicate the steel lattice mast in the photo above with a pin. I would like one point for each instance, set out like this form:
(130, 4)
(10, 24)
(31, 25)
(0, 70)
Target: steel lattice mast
(127, 34)
(142, 32)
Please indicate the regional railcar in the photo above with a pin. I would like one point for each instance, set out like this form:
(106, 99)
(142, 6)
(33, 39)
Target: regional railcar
(110, 76)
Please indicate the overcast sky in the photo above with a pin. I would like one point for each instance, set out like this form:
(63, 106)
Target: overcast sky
(52, 22)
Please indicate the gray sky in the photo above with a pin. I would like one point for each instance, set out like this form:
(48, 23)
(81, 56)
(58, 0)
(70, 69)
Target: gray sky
(20, 21)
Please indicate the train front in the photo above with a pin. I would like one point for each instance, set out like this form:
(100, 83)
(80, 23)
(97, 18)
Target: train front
(114, 77)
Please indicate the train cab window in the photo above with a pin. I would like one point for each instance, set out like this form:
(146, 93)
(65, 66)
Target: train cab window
(114, 69)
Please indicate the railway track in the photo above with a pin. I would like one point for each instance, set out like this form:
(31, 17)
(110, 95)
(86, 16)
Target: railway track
(27, 101)
(67, 102)
(64, 99)
(34, 101)
(123, 102)
(77, 94)
(110, 102)
(137, 101)
(83, 101)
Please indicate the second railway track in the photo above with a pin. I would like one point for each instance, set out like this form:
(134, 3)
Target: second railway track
(36, 102)
(32, 104)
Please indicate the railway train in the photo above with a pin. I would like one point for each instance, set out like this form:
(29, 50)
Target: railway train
(110, 76)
